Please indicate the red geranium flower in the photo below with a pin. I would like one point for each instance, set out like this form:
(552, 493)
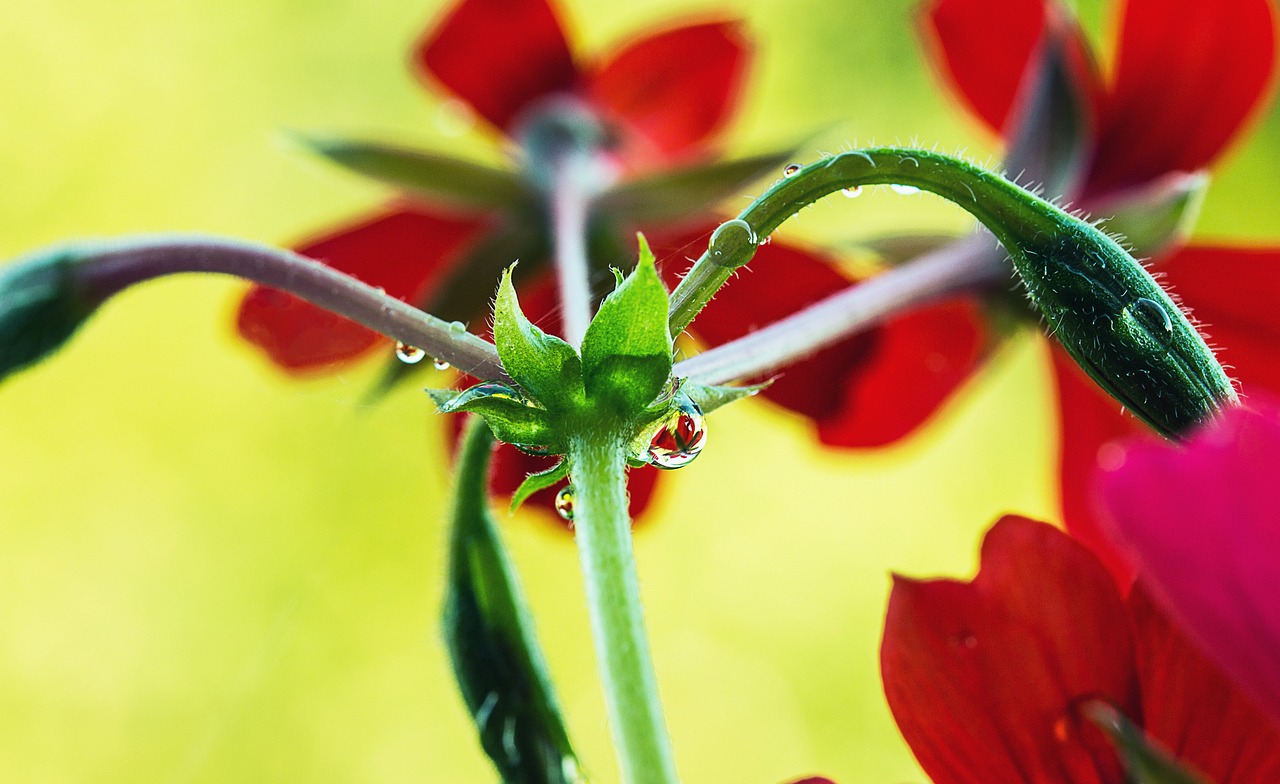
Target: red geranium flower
(1187, 77)
(988, 679)
(1201, 526)
(661, 99)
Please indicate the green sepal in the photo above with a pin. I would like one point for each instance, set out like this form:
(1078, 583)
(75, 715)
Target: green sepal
(512, 418)
(1144, 761)
(710, 397)
(439, 179)
(488, 631)
(544, 366)
(1157, 215)
(676, 194)
(539, 481)
(626, 353)
(40, 307)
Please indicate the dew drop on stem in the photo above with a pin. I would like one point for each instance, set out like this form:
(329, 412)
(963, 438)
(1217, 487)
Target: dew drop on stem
(440, 364)
(564, 502)
(681, 437)
(410, 355)
(791, 170)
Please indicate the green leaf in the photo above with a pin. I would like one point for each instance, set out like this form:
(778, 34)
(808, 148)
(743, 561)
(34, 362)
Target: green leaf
(439, 179)
(40, 307)
(708, 398)
(1144, 760)
(512, 418)
(1159, 214)
(539, 481)
(488, 630)
(545, 366)
(626, 353)
(686, 193)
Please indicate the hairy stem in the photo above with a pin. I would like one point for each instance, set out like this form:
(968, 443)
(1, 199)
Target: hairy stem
(598, 465)
(965, 265)
(106, 269)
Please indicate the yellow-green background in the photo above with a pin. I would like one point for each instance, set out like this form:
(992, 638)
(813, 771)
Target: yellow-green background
(212, 573)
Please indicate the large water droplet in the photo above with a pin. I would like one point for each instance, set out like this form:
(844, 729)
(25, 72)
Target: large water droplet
(410, 355)
(905, 190)
(728, 234)
(564, 502)
(1155, 310)
(681, 437)
(457, 328)
(484, 389)
(791, 170)
(440, 364)
(852, 193)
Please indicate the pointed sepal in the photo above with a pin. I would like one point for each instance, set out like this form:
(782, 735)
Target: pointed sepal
(544, 366)
(539, 481)
(40, 307)
(512, 418)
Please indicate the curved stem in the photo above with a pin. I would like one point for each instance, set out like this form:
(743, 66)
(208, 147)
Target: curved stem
(603, 531)
(993, 200)
(964, 265)
(106, 269)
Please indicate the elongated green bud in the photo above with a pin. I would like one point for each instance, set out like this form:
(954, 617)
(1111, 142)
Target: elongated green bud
(1101, 304)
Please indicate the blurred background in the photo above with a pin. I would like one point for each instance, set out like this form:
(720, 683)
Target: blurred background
(210, 572)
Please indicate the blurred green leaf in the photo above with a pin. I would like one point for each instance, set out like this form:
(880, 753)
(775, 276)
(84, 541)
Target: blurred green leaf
(40, 308)
(686, 193)
(709, 398)
(1144, 761)
(488, 630)
(439, 179)
(1153, 217)
(626, 353)
(545, 366)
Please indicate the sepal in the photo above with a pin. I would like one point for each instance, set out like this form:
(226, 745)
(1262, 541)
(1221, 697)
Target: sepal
(40, 307)
(512, 418)
(539, 481)
(544, 366)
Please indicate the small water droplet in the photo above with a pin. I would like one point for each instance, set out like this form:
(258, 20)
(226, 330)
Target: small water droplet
(1156, 310)
(439, 364)
(791, 170)
(564, 502)
(457, 328)
(410, 355)
(852, 193)
(905, 190)
(681, 438)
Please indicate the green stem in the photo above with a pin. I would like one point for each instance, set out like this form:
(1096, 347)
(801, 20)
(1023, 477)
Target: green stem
(993, 200)
(598, 465)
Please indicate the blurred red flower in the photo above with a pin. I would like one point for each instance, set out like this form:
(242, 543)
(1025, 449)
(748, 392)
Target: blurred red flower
(1200, 525)
(1187, 76)
(661, 97)
(988, 679)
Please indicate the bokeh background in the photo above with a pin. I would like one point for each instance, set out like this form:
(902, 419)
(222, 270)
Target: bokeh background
(210, 572)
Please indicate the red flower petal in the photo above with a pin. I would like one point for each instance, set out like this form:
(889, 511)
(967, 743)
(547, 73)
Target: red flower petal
(1193, 709)
(910, 367)
(984, 677)
(675, 88)
(1232, 292)
(1200, 523)
(1089, 420)
(498, 55)
(399, 251)
(985, 63)
(1188, 73)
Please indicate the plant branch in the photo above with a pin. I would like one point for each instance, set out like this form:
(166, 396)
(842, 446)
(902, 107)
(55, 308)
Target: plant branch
(570, 202)
(964, 265)
(107, 268)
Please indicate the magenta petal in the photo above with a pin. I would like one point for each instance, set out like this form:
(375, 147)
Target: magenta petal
(1201, 525)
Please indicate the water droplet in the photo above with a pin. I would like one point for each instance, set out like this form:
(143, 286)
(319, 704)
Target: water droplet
(728, 234)
(484, 389)
(457, 328)
(852, 193)
(905, 190)
(564, 502)
(1156, 311)
(791, 170)
(681, 437)
(410, 355)
(440, 364)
